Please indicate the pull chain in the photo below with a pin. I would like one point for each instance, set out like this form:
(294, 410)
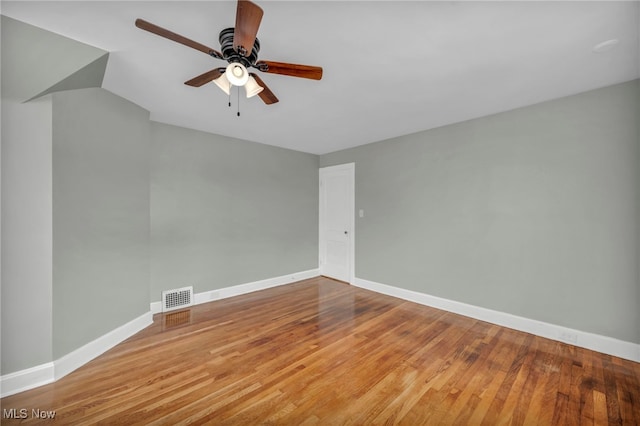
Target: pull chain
(238, 101)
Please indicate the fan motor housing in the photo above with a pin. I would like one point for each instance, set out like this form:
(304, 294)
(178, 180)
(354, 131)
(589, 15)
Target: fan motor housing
(231, 55)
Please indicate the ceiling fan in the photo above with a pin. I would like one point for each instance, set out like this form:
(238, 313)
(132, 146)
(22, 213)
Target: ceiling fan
(239, 47)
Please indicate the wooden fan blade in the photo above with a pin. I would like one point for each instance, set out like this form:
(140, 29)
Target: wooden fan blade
(248, 17)
(293, 70)
(203, 79)
(266, 95)
(152, 28)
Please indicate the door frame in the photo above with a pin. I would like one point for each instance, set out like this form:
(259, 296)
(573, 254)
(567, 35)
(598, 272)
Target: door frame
(350, 168)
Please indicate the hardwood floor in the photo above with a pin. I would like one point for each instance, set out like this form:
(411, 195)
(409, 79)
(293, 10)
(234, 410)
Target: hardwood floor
(323, 352)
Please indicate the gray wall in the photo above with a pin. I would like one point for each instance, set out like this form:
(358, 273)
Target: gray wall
(34, 60)
(79, 202)
(100, 215)
(76, 211)
(226, 211)
(26, 235)
(533, 212)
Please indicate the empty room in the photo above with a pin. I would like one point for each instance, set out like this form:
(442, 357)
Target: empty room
(320, 212)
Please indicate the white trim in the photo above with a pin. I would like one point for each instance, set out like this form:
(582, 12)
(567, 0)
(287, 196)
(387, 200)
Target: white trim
(236, 290)
(91, 350)
(583, 339)
(43, 374)
(155, 307)
(26, 379)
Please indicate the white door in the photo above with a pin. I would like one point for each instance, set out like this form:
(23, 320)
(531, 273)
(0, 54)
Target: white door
(336, 221)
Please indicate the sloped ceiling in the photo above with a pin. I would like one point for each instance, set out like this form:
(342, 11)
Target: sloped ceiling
(36, 62)
(390, 67)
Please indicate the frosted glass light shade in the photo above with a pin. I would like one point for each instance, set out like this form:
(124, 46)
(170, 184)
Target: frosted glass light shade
(223, 83)
(237, 74)
(252, 87)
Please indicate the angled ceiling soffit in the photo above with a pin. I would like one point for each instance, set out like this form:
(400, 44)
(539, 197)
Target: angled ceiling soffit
(36, 62)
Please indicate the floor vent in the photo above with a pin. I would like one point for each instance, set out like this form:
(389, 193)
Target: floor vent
(177, 298)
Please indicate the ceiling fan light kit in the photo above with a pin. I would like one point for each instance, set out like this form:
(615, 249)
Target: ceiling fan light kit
(238, 77)
(239, 47)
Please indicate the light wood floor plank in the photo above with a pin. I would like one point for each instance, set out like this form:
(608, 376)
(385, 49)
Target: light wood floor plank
(320, 352)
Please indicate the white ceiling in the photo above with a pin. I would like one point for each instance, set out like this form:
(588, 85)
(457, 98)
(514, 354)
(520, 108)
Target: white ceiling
(390, 67)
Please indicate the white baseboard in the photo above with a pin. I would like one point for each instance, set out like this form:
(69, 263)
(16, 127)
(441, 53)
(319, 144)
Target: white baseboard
(236, 290)
(47, 373)
(155, 307)
(86, 353)
(26, 379)
(595, 342)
